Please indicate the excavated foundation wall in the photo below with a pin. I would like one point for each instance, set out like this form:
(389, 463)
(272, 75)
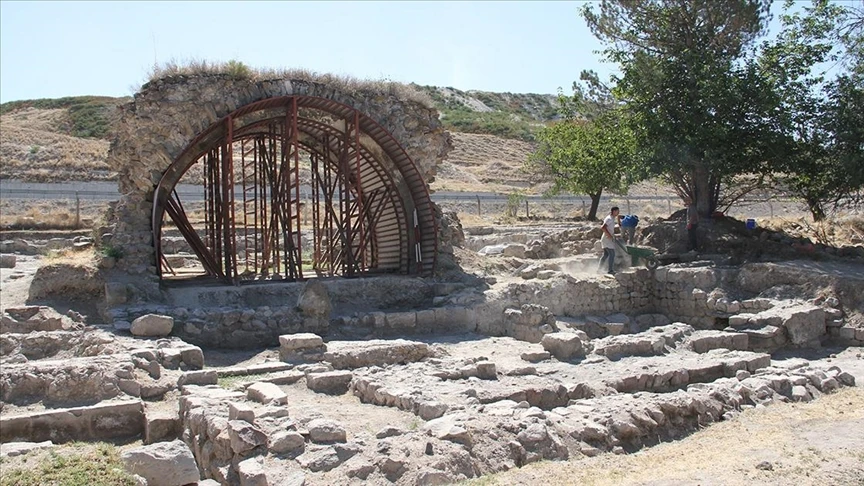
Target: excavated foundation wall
(707, 298)
(169, 113)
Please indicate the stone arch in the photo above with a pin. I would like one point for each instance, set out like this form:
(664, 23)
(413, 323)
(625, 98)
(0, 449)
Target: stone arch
(173, 121)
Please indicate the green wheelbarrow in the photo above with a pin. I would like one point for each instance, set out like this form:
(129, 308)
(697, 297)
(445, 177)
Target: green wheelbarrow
(636, 253)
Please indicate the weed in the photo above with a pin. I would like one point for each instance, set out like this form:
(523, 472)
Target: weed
(514, 202)
(234, 68)
(114, 252)
(238, 69)
(231, 382)
(83, 466)
(34, 149)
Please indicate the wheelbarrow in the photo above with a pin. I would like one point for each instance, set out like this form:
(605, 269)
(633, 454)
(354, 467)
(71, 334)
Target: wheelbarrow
(636, 253)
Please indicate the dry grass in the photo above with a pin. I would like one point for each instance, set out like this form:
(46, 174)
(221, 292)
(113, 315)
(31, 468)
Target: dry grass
(347, 84)
(58, 214)
(72, 258)
(483, 163)
(31, 150)
(816, 443)
(839, 231)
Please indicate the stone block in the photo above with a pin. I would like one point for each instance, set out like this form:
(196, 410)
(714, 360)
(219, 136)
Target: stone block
(314, 300)
(105, 421)
(536, 356)
(322, 431)
(244, 436)
(7, 261)
(486, 371)
(202, 377)
(161, 426)
(287, 442)
(563, 345)
(162, 464)
(359, 354)
(300, 341)
(804, 324)
(152, 325)
(251, 472)
(266, 393)
(317, 459)
(331, 383)
(241, 411)
(192, 356)
(401, 320)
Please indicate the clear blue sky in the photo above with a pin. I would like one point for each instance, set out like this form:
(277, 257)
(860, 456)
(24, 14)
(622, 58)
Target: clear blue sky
(55, 49)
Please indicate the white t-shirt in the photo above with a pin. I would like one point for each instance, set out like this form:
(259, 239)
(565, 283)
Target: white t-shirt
(609, 224)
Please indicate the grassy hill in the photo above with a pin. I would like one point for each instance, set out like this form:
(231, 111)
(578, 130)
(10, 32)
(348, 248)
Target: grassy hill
(66, 139)
(507, 115)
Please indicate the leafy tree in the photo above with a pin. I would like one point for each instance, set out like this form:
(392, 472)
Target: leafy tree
(592, 149)
(821, 122)
(586, 157)
(695, 102)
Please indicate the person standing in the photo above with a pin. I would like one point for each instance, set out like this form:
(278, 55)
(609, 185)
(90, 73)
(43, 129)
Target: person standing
(607, 240)
(692, 225)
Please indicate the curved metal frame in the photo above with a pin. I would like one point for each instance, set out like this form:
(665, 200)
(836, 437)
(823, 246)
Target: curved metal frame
(377, 215)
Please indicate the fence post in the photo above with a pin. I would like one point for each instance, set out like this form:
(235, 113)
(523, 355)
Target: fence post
(583, 207)
(628, 206)
(771, 208)
(478, 206)
(527, 214)
(77, 211)
(669, 205)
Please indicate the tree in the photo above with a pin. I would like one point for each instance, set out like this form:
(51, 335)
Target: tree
(821, 123)
(592, 149)
(587, 156)
(697, 107)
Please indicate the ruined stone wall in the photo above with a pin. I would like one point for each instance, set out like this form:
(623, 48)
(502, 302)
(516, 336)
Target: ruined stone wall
(167, 114)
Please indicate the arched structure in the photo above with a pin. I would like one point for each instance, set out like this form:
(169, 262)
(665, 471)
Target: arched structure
(367, 206)
(349, 161)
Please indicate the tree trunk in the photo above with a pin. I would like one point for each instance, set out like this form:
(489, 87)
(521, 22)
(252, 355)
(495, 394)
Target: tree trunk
(703, 191)
(816, 209)
(595, 203)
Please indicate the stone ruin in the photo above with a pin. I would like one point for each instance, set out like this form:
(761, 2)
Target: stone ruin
(523, 354)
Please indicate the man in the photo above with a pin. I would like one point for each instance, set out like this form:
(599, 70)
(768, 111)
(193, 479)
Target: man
(607, 240)
(692, 225)
(628, 227)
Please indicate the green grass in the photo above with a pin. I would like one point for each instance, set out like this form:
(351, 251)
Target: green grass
(516, 116)
(84, 466)
(230, 382)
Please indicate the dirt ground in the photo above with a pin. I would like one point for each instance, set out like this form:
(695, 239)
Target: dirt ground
(818, 443)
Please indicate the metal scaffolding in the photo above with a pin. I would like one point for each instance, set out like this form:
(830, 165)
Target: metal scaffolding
(296, 186)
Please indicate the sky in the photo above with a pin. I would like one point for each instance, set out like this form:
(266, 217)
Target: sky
(56, 49)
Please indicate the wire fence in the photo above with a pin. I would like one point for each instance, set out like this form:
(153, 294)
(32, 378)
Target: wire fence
(479, 204)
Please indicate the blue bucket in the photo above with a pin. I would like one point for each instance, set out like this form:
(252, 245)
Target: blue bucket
(751, 224)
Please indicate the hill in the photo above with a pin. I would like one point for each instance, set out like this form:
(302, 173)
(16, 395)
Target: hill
(66, 139)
